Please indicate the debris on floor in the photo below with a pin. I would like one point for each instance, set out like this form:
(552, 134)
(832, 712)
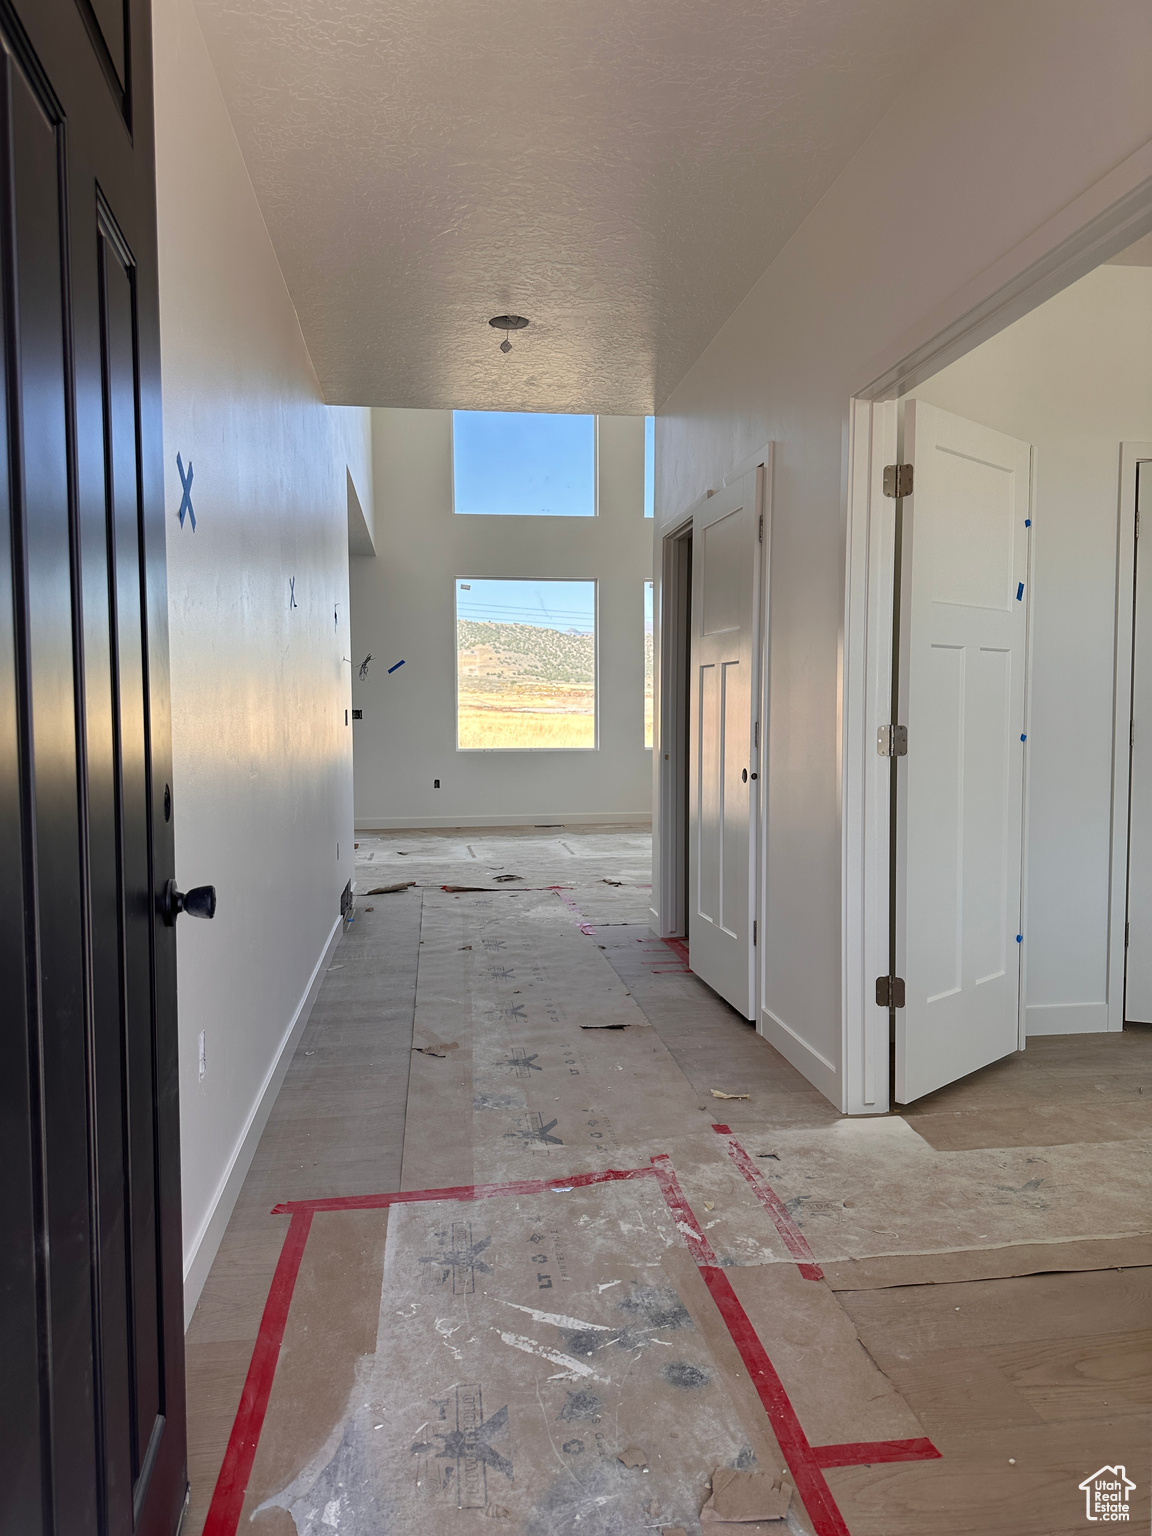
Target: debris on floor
(386, 890)
(441, 1048)
(742, 1497)
(717, 1094)
(633, 1457)
(503, 879)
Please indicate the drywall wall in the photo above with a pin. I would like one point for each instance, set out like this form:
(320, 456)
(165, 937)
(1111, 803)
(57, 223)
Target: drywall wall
(258, 588)
(1032, 116)
(403, 608)
(1074, 379)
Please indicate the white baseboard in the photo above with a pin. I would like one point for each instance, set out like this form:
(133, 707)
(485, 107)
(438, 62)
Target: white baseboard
(202, 1251)
(548, 819)
(805, 1058)
(1065, 1018)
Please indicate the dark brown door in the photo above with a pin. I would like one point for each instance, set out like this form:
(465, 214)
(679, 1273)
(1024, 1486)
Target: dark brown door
(92, 1433)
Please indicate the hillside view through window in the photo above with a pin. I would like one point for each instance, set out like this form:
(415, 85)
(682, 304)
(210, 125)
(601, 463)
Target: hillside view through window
(525, 664)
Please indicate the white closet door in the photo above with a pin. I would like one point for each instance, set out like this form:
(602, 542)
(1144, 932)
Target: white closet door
(725, 602)
(1138, 967)
(963, 648)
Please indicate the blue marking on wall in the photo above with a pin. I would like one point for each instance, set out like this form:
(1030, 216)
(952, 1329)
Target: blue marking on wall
(186, 499)
(392, 669)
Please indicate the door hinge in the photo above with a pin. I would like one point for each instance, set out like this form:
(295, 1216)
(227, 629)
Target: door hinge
(889, 991)
(753, 933)
(898, 480)
(760, 535)
(756, 728)
(892, 741)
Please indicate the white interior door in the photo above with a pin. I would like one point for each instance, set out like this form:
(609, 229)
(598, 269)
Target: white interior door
(1138, 960)
(964, 574)
(721, 833)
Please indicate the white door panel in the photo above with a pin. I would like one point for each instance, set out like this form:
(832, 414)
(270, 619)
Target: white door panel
(963, 646)
(725, 597)
(1138, 963)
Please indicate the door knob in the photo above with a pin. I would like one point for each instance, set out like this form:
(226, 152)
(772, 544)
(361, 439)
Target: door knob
(200, 901)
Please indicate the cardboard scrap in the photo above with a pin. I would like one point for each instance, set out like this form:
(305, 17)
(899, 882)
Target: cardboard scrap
(716, 1094)
(744, 1497)
(441, 1048)
(633, 1457)
(386, 890)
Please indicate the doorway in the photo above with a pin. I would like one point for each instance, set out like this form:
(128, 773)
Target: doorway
(675, 696)
(1007, 834)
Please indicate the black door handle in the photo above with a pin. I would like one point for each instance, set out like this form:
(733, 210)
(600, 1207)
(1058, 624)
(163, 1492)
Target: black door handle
(200, 901)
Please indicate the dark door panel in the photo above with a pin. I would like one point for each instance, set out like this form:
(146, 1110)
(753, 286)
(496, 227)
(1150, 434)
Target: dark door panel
(91, 1312)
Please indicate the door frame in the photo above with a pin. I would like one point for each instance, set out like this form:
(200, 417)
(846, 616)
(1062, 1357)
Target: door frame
(1132, 455)
(1099, 224)
(673, 594)
(668, 912)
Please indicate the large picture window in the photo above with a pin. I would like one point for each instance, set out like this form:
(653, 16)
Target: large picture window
(525, 664)
(520, 464)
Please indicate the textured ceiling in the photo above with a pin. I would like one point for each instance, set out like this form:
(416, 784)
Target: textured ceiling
(620, 171)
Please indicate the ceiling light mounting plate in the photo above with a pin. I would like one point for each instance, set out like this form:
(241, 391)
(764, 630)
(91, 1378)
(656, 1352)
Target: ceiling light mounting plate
(508, 322)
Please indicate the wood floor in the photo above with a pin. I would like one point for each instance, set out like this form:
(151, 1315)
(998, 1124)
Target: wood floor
(1026, 1384)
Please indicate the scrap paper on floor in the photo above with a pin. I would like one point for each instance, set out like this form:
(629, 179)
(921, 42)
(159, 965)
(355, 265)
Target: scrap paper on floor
(743, 1497)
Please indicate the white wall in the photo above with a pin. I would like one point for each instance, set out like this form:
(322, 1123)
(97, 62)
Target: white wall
(975, 172)
(262, 759)
(1073, 378)
(403, 606)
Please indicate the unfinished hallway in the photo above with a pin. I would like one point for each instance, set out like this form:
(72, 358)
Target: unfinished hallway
(614, 1249)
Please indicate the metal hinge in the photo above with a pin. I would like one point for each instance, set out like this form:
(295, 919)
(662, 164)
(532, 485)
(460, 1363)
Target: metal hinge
(897, 480)
(760, 535)
(892, 741)
(753, 933)
(757, 730)
(889, 991)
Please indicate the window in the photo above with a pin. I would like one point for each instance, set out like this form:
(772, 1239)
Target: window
(649, 466)
(649, 644)
(516, 464)
(525, 664)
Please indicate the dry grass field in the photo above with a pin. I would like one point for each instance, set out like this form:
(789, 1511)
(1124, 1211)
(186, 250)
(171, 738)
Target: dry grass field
(521, 716)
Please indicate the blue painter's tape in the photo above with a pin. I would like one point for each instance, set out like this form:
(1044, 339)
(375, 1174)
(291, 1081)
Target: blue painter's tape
(392, 669)
(1023, 738)
(1027, 522)
(1019, 938)
(1019, 591)
(186, 499)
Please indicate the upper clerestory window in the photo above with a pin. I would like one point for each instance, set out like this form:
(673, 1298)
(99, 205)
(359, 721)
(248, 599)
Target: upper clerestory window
(520, 464)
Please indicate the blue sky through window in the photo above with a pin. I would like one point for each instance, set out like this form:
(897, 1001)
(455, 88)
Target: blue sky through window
(649, 466)
(569, 606)
(519, 464)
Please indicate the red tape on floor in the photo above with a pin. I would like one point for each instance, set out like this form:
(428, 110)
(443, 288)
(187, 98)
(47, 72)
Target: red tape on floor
(794, 1239)
(811, 1483)
(870, 1453)
(805, 1462)
(232, 1484)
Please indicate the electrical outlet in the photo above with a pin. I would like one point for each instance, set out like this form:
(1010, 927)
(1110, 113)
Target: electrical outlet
(203, 1050)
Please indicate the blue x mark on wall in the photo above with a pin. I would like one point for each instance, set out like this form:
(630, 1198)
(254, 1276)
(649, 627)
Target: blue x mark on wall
(186, 499)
